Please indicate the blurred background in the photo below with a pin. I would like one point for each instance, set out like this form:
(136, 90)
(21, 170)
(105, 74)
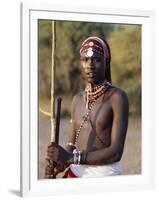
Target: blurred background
(125, 44)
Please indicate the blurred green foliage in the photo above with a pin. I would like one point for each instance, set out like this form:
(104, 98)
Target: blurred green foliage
(125, 45)
(126, 63)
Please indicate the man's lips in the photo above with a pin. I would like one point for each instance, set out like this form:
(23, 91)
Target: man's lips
(90, 74)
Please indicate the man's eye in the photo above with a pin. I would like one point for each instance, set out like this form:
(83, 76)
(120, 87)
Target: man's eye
(97, 60)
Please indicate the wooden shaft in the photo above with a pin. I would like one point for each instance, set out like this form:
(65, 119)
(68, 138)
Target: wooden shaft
(58, 115)
(53, 84)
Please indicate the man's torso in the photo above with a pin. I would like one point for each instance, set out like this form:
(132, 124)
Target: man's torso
(96, 131)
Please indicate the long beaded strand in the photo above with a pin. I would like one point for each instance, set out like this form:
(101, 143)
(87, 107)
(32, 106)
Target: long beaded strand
(90, 101)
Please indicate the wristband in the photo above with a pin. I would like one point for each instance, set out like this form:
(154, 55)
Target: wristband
(76, 157)
(79, 157)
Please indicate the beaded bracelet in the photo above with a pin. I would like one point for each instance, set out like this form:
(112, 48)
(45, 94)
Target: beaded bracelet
(76, 157)
(79, 157)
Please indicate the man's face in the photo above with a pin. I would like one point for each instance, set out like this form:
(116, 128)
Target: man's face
(93, 68)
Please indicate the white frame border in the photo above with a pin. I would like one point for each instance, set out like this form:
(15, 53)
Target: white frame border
(30, 185)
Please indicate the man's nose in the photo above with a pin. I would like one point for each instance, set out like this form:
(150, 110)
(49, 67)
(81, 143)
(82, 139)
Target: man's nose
(90, 63)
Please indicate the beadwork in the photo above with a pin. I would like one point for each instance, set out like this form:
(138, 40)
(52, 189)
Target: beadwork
(92, 96)
(76, 157)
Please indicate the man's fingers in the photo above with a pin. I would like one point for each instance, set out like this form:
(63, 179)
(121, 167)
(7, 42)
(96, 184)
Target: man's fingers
(49, 166)
(51, 150)
(51, 157)
(52, 145)
(48, 161)
(48, 171)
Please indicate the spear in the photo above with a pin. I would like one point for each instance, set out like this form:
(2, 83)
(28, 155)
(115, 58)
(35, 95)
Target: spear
(52, 118)
(55, 122)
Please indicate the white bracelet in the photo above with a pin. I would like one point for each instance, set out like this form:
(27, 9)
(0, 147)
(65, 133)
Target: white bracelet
(79, 157)
(76, 157)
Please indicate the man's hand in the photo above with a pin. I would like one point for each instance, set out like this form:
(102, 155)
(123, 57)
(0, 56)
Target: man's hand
(52, 169)
(60, 157)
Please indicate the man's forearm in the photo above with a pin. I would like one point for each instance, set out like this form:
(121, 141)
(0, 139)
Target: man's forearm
(100, 157)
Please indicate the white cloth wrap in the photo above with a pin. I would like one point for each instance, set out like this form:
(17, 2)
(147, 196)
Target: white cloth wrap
(95, 171)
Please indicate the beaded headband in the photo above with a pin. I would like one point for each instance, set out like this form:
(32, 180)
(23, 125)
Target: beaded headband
(95, 45)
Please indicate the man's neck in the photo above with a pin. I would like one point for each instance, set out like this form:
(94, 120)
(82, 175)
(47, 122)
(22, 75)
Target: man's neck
(92, 86)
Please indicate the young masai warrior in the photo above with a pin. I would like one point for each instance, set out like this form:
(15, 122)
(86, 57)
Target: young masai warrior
(99, 120)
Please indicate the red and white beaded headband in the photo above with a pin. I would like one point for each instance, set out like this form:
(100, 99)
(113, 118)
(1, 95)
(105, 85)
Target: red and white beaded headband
(95, 44)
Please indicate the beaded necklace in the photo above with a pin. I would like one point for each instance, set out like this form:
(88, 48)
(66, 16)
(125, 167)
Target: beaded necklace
(91, 97)
(96, 93)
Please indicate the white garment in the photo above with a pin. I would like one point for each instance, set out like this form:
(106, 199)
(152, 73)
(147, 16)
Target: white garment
(95, 171)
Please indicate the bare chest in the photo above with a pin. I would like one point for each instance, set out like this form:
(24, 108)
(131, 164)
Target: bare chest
(97, 121)
(100, 114)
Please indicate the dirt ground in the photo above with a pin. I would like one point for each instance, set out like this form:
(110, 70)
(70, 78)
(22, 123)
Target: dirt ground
(131, 159)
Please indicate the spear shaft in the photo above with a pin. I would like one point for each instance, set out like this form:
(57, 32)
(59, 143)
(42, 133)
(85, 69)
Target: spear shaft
(58, 114)
(53, 85)
(55, 126)
(52, 117)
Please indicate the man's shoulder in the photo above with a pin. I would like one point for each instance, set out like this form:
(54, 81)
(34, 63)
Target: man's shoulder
(118, 91)
(78, 96)
(119, 96)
